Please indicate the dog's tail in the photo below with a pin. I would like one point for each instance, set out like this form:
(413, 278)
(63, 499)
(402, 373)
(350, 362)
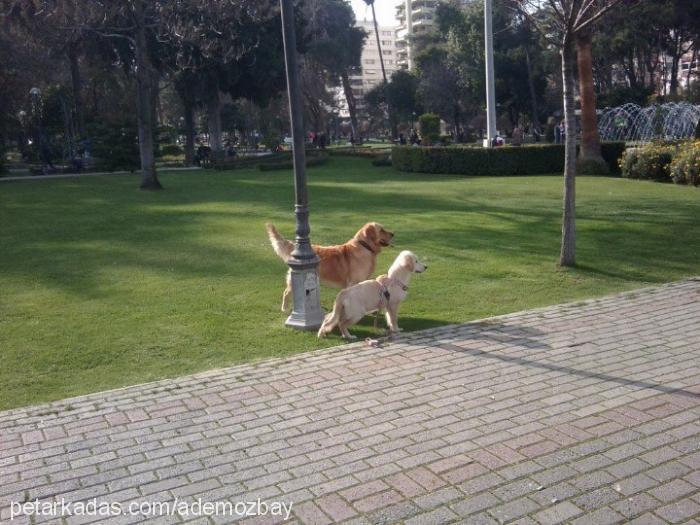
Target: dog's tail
(283, 247)
(332, 319)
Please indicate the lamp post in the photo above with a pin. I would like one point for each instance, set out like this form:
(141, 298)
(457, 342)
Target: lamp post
(490, 90)
(306, 312)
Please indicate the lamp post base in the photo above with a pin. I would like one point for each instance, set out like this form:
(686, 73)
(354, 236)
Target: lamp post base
(307, 313)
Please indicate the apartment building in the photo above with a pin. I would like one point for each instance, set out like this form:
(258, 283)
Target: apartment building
(415, 17)
(371, 73)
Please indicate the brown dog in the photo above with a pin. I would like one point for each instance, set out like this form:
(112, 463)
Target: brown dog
(343, 265)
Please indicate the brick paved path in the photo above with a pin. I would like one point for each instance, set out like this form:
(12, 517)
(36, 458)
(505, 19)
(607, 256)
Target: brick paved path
(585, 413)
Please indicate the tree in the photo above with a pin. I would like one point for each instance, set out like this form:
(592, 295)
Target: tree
(560, 22)
(335, 45)
(590, 157)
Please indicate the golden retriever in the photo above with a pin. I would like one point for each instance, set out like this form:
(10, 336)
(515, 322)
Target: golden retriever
(386, 292)
(340, 266)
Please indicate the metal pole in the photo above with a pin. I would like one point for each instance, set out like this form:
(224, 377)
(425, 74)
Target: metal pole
(490, 89)
(306, 313)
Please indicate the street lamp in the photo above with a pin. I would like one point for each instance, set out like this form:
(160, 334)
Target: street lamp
(490, 89)
(306, 312)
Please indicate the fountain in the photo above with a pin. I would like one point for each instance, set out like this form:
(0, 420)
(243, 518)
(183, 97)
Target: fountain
(633, 123)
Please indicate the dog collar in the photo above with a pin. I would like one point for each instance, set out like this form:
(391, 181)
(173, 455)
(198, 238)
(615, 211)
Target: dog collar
(364, 244)
(394, 280)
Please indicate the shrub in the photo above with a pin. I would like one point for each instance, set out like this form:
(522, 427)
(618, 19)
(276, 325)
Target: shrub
(648, 162)
(462, 160)
(592, 167)
(357, 152)
(382, 161)
(171, 150)
(272, 140)
(310, 162)
(429, 128)
(611, 153)
(114, 145)
(685, 167)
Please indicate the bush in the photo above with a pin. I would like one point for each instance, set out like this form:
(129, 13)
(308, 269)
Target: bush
(272, 140)
(115, 145)
(611, 153)
(172, 150)
(429, 128)
(648, 162)
(310, 162)
(685, 167)
(382, 161)
(522, 160)
(357, 152)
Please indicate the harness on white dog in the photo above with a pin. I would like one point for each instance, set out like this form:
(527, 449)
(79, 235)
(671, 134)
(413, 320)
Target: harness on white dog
(384, 295)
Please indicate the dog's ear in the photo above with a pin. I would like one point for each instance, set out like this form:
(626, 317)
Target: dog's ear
(370, 233)
(410, 262)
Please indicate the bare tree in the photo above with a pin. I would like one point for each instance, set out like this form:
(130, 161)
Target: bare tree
(560, 22)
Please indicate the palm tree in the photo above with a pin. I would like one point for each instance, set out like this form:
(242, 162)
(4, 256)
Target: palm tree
(590, 140)
(381, 62)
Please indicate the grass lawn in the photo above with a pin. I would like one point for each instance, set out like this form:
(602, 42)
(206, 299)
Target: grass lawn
(102, 285)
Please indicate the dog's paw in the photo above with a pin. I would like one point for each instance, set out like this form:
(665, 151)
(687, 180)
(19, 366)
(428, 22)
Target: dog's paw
(350, 338)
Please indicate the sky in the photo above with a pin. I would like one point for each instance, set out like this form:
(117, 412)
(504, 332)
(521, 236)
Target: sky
(385, 11)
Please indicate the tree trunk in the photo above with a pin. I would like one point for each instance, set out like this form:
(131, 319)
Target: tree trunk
(144, 101)
(590, 140)
(350, 97)
(533, 94)
(568, 233)
(77, 83)
(675, 60)
(690, 70)
(214, 124)
(189, 132)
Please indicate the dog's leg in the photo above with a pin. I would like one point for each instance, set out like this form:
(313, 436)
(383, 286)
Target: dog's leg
(346, 335)
(392, 318)
(287, 292)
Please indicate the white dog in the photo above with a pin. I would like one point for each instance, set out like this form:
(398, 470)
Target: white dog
(383, 293)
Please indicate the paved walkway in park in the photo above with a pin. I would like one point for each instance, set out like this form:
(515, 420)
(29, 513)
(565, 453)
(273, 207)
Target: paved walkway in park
(580, 413)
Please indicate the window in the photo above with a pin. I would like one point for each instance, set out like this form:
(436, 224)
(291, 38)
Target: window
(370, 61)
(386, 42)
(386, 33)
(386, 52)
(389, 62)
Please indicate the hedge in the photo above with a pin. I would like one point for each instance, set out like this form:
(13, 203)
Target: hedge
(358, 152)
(310, 162)
(253, 161)
(507, 160)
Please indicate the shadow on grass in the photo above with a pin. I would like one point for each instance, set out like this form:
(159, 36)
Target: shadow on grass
(71, 230)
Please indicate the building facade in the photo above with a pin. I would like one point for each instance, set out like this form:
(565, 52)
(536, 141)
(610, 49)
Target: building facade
(415, 17)
(371, 71)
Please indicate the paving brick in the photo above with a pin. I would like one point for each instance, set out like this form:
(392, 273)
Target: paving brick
(473, 504)
(604, 516)
(558, 513)
(336, 507)
(434, 517)
(679, 511)
(673, 490)
(377, 501)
